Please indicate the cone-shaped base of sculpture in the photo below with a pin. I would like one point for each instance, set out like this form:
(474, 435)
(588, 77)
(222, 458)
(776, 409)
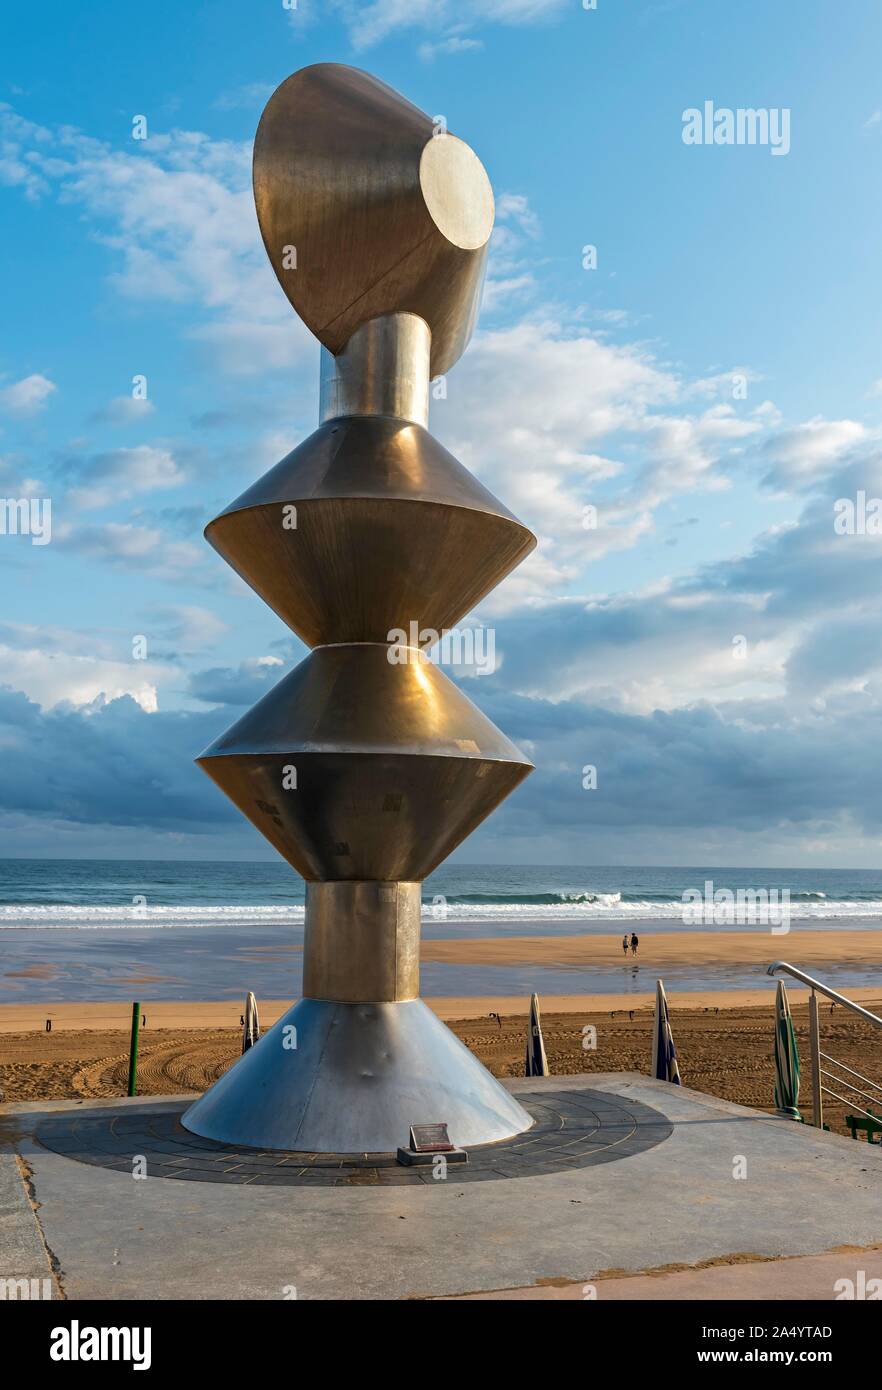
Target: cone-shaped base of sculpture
(358, 1077)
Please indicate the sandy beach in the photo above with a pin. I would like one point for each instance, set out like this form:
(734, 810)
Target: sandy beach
(724, 1042)
(658, 949)
(723, 1033)
(106, 1016)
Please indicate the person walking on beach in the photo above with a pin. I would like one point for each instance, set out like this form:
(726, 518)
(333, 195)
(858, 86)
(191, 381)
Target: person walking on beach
(635, 942)
(625, 944)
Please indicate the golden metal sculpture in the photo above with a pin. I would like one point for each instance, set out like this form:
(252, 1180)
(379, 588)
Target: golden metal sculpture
(362, 769)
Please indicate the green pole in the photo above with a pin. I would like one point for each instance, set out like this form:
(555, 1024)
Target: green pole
(133, 1050)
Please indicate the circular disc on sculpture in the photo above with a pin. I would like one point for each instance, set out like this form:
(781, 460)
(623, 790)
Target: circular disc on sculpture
(457, 192)
(367, 208)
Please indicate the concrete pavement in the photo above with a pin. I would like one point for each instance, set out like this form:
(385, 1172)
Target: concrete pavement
(728, 1182)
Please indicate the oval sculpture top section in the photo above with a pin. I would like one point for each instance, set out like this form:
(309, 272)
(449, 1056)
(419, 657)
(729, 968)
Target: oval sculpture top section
(366, 210)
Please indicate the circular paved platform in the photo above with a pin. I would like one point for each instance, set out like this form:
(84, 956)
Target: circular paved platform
(573, 1129)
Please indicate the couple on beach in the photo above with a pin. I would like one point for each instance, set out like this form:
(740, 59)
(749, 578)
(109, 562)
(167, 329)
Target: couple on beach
(633, 941)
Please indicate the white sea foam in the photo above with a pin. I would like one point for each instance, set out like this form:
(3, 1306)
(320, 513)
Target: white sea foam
(587, 907)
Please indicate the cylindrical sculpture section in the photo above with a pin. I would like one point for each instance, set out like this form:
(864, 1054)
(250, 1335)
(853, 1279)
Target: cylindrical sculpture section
(383, 370)
(362, 941)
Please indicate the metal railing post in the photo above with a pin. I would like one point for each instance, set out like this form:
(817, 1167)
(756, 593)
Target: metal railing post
(815, 1047)
(133, 1051)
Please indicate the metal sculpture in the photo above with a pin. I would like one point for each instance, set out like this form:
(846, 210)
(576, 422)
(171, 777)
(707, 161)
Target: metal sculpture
(363, 769)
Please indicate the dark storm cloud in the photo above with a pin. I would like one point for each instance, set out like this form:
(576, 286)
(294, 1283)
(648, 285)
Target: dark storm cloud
(110, 765)
(692, 768)
(235, 685)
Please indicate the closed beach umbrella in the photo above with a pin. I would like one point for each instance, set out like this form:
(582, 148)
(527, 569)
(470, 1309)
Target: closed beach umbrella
(251, 1032)
(664, 1054)
(536, 1062)
(786, 1058)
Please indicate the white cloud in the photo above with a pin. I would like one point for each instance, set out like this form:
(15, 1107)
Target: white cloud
(515, 207)
(616, 318)
(17, 137)
(143, 548)
(801, 455)
(178, 212)
(125, 410)
(26, 397)
(547, 415)
(51, 667)
(120, 474)
(687, 452)
(251, 349)
(445, 47)
(501, 290)
(250, 95)
(187, 625)
(533, 402)
(512, 258)
(54, 665)
(805, 599)
(369, 24)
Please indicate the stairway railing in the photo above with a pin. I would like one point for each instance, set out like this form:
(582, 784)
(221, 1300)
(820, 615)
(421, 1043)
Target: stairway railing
(819, 1088)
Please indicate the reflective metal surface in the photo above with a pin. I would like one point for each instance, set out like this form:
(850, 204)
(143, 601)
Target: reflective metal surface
(365, 766)
(362, 941)
(383, 370)
(365, 210)
(359, 1076)
(387, 529)
(393, 765)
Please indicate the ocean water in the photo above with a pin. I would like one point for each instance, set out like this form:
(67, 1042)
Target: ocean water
(137, 929)
(138, 894)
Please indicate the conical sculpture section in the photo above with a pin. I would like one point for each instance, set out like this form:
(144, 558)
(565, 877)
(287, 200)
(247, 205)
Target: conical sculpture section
(366, 766)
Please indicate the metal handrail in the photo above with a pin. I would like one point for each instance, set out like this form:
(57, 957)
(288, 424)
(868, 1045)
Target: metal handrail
(818, 1072)
(841, 1081)
(868, 1081)
(854, 1105)
(823, 989)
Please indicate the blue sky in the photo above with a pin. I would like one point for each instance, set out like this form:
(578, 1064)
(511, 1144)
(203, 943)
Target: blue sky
(612, 387)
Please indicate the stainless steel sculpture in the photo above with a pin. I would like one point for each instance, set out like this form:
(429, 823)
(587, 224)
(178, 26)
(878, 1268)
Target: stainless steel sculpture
(362, 770)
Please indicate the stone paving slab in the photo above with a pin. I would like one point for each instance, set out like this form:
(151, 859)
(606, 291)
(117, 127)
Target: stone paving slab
(850, 1274)
(22, 1252)
(680, 1203)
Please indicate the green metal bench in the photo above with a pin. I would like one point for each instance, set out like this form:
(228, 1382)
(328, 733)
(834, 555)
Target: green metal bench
(860, 1123)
